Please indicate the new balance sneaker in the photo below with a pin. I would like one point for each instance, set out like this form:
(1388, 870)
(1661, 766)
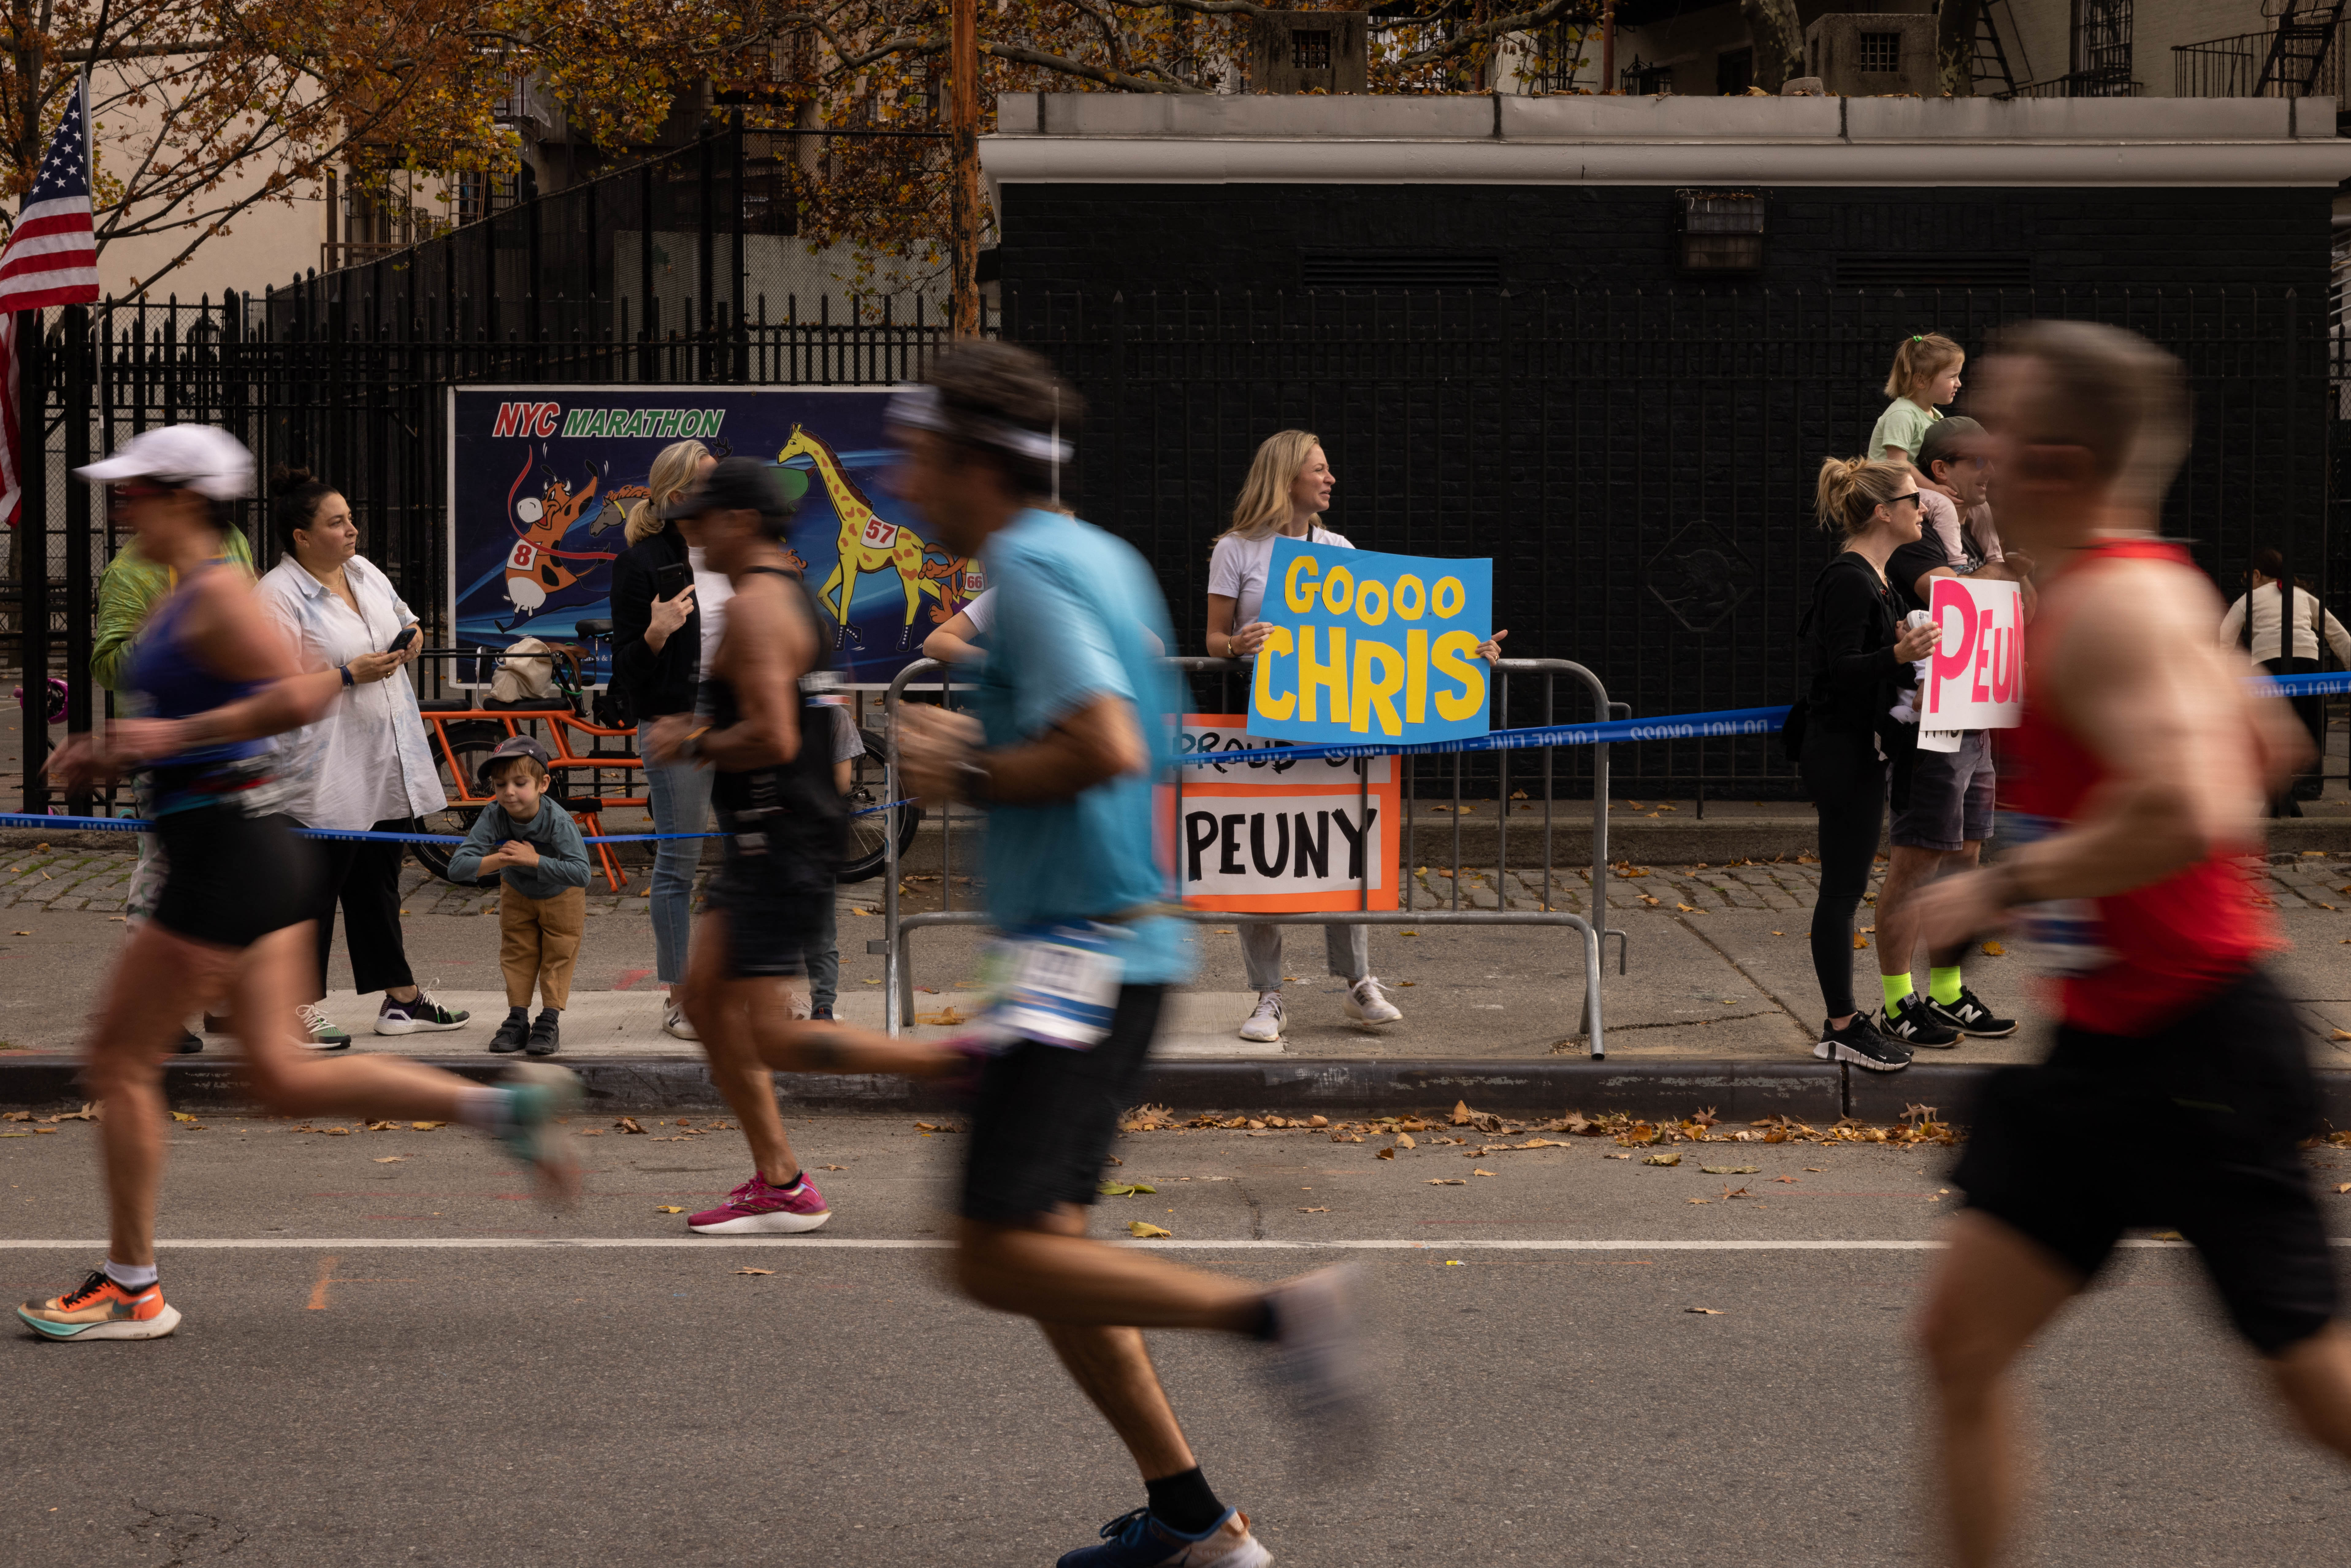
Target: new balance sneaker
(675, 1022)
(1321, 1355)
(1914, 1023)
(100, 1309)
(1264, 1026)
(1366, 1003)
(423, 1016)
(514, 1033)
(1859, 1043)
(1138, 1541)
(756, 1209)
(319, 1032)
(1969, 1016)
(546, 1033)
(538, 1092)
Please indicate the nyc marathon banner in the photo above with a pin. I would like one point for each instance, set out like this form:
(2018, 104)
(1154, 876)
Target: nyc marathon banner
(1265, 835)
(1975, 673)
(541, 479)
(1367, 646)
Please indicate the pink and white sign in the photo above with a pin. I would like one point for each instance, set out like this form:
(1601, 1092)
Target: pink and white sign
(1976, 675)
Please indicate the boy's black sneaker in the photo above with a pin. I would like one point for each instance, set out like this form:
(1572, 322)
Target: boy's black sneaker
(1969, 1016)
(1860, 1043)
(547, 1033)
(513, 1034)
(1914, 1023)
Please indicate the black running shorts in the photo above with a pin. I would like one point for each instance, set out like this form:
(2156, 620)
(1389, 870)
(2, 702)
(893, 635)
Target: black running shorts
(774, 915)
(1045, 1116)
(2222, 1099)
(229, 879)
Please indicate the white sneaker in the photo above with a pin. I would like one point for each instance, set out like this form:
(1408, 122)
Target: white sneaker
(674, 1020)
(319, 1032)
(1366, 1003)
(1264, 1026)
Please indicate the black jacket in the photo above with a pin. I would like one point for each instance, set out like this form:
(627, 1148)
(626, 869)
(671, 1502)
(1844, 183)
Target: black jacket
(1848, 636)
(651, 683)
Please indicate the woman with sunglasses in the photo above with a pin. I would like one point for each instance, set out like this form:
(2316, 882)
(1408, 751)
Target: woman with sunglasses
(1844, 733)
(214, 679)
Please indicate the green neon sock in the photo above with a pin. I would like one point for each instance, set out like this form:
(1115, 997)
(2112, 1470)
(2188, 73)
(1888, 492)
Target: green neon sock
(1943, 985)
(1897, 988)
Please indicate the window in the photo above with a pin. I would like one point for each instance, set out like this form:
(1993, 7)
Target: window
(1734, 71)
(1309, 49)
(1640, 80)
(1721, 231)
(1881, 52)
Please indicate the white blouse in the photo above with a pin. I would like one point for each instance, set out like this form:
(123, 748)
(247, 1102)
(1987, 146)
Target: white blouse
(367, 761)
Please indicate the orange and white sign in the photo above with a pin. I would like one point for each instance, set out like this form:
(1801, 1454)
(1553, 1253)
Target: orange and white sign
(1975, 677)
(1262, 835)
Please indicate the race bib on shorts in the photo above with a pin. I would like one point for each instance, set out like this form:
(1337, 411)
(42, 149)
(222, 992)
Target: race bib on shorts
(1055, 984)
(2069, 934)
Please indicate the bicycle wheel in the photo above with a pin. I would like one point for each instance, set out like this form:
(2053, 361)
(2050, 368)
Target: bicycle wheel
(867, 851)
(469, 745)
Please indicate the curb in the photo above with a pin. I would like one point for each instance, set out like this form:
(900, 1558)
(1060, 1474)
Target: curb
(1817, 1092)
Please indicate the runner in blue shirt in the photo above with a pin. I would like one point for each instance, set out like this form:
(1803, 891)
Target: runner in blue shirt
(1075, 703)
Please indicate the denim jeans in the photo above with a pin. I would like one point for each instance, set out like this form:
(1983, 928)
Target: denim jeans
(680, 796)
(824, 955)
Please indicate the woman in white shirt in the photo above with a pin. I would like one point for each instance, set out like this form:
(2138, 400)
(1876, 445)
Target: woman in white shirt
(366, 765)
(1288, 489)
(2263, 640)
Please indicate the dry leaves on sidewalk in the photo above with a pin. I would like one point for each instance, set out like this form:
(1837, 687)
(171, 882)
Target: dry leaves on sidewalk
(1704, 1312)
(1125, 1188)
(1447, 1181)
(628, 1125)
(1324, 1209)
(1143, 1229)
(669, 1208)
(1661, 1160)
(1730, 1170)
(755, 1270)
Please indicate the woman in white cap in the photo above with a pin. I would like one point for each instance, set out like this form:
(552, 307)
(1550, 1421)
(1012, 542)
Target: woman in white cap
(212, 679)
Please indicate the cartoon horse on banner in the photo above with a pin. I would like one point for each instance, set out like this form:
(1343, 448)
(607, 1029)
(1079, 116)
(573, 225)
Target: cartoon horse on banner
(535, 568)
(867, 543)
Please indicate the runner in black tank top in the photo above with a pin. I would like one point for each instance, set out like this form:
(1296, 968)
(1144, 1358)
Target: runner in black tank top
(758, 727)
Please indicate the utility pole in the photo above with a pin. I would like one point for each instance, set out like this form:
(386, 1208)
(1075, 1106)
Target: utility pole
(964, 209)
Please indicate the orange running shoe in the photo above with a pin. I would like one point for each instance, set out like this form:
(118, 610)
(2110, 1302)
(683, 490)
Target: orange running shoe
(101, 1309)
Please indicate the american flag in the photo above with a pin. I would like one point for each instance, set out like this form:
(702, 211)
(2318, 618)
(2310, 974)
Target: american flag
(51, 259)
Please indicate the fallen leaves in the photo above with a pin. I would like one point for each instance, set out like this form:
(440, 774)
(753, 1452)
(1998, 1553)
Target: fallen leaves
(629, 1124)
(669, 1208)
(1704, 1312)
(1125, 1188)
(1324, 1209)
(1994, 950)
(1673, 1159)
(936, 1127)
(426, 1126)
(390, 1159)
(832, 1168)
(1482, 1173)
(755, 1270)
(184, 1118)
(945, 1018)
(1387, 1154)
(1447, 1181)
(1730, 1170)
(1143, 1230)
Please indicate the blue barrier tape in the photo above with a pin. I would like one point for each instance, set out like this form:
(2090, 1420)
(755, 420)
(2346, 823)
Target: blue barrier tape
(354, 835)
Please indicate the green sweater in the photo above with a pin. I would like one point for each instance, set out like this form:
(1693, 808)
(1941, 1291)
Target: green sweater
(127, 591)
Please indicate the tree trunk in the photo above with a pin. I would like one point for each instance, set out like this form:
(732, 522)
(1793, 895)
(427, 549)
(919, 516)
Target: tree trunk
(1779, 41)
(1955, 46)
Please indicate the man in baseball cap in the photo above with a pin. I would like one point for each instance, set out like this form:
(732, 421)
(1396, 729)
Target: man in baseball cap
(211, 462)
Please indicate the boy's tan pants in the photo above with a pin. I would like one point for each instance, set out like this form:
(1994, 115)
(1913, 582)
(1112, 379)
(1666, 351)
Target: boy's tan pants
(537, 940)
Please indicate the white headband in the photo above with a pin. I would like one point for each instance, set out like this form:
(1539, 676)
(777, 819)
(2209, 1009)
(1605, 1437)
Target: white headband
(919, 408)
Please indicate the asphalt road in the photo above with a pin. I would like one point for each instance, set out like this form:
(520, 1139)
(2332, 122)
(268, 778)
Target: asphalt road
(478, 1395)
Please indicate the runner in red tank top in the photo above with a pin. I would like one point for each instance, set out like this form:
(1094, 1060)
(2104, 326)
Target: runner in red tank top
(2142, 767)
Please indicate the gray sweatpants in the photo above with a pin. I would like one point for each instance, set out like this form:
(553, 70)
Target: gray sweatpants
(1347, 948)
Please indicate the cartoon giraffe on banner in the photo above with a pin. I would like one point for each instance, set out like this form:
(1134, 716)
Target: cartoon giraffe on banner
(867, 543)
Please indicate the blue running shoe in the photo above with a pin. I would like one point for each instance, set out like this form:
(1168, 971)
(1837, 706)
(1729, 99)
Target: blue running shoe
(538, 1092)
(1138, 1541)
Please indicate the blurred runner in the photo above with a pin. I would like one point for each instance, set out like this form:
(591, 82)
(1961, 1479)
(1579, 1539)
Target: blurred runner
(1076, 703)
(213, 677)
(2140, 771)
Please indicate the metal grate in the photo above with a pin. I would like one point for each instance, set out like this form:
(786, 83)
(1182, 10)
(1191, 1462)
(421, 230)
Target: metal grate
(1399, 269)
(1310, 48)
(1881, 52)
(1909, 270)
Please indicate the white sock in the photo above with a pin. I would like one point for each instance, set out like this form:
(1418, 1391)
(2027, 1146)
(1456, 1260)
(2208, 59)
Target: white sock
(482, 1108)
(131, 1276)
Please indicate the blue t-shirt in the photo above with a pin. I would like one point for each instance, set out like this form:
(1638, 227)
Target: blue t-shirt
(1079, 616)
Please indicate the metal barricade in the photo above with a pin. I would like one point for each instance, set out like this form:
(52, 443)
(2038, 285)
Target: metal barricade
(897, 972)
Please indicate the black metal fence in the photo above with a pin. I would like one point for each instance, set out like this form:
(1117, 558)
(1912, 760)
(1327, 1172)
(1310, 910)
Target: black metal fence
(1639, 466)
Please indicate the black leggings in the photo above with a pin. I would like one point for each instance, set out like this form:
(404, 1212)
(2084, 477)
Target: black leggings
(1847, 782)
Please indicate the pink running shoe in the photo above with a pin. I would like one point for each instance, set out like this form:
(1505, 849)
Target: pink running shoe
(755, 1209)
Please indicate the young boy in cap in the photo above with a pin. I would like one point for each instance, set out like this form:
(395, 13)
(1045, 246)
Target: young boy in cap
(541, 863)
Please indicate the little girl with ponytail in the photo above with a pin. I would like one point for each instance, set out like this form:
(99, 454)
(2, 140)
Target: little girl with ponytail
(1925, 375)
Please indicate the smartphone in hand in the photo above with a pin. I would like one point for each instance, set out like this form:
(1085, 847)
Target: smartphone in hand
(400, 643)
(672, 580)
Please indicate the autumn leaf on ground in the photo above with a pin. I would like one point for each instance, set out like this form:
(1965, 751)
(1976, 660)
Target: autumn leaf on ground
(183, 1118)
(1144, 1231)
(1728, 1194)
(390, 1159)
(1701, 1200)
(628, 1125)
(1704, 1312)
(1787, 1178)
(2340, 1034)
(1859, 941)
(755, 1270)
(1325, 1209)
(426, 1126)
(1730, 1170)
(1481, 1173)
(1623, 1157)
(2343, 1187)
(1661, 1160)
(1403, 1141)
(945, 1018)
(1994, 950)
(832, 1168)
(669, 1208)
(1125, 1188)
(1387, 1154)
(1447, 1181)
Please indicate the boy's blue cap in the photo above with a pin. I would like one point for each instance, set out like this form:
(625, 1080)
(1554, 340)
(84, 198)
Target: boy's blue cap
(512, 746)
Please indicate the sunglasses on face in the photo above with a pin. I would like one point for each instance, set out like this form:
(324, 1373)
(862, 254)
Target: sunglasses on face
(1897, 500)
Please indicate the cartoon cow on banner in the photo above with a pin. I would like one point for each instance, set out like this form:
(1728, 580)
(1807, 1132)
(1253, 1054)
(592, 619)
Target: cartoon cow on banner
(536, 569)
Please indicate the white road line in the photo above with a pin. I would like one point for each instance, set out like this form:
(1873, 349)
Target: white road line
(912, 1244)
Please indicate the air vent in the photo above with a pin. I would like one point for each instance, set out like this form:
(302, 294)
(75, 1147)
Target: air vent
(1929, 271)
(1399, 269)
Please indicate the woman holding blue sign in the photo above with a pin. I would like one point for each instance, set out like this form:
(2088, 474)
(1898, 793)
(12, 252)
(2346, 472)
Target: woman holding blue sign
(1287, 492)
